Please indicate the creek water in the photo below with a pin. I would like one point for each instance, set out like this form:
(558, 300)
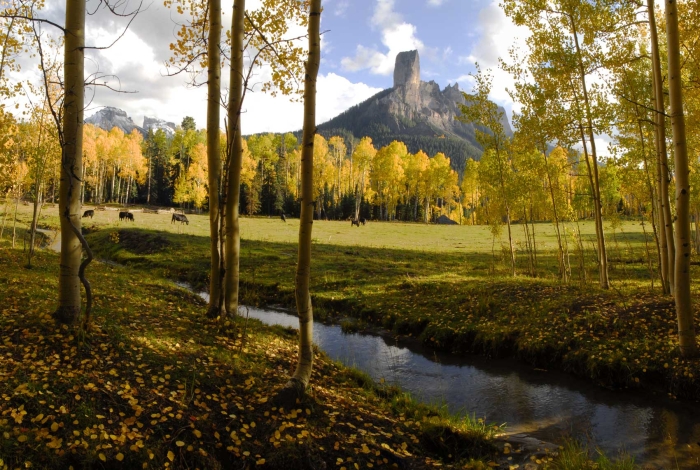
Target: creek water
(546, 405)
(659, 432)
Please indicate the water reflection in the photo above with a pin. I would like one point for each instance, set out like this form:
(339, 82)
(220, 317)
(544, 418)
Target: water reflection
(658, 432)
(546, 405)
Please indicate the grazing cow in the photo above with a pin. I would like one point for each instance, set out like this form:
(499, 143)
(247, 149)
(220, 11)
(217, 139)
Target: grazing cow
(89, 213)
(363, 220)
(284, 219)
(179, 218)
(354, 222)
(124, 215)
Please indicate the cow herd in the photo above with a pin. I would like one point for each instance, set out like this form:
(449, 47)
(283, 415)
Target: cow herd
(126, 216)
(182, 218)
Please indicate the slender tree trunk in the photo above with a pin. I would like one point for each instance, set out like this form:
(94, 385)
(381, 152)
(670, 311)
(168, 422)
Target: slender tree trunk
(41, 164)
(684, 311)
(214, 154)
(510, 242)
(68, 309)
(235, 155)
(3, 56)
(668, 250)
(14, 221)
(602, 253)
(32, 227)
(302, 375)
(114, 175)
(148, 190)
(560, 246)
(602, 262)
(534, 240)
(654, 200)
(82, 188)
(7, 211)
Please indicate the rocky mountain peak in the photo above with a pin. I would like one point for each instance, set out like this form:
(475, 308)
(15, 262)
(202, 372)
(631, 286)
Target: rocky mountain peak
(108, 117)
(407, 69)
(158, 124)
(416, 112)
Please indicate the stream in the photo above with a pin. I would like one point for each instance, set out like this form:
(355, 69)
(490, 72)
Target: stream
(546, 405)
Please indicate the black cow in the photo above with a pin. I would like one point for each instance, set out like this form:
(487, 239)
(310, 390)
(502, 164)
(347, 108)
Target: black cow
(126, 216)
(179, 218)
(354, 222)
(363, 220)
(89, 213)
(284, 219)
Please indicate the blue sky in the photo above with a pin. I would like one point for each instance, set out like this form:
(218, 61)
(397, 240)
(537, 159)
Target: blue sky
(358, 54)
(448, 32)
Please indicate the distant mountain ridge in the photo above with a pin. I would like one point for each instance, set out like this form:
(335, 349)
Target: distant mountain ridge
(415, 112)
(110, 117)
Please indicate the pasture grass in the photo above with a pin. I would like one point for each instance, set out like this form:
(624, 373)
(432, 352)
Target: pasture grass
(447, 286)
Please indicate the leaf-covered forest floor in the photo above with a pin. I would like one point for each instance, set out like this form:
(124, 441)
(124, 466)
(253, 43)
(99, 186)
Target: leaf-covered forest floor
(154, 384)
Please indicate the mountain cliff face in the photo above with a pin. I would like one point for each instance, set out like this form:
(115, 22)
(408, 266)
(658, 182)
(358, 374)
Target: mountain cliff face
(415, 112)
(158, 124)
(108, 118)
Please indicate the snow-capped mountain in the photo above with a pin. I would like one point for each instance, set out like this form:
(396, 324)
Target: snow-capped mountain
(155, 124)
(108, 117)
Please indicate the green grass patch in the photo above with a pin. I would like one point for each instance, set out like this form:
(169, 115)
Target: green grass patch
(443, 286)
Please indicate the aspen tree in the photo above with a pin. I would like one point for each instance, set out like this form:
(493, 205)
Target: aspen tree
(68, 309)
(480, 110)
(232, 252)
(302, 375)
(684, 312)
(214, 154)
(666, 242)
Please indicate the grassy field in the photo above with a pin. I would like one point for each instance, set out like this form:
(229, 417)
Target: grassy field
(445, 285)
(139, 391)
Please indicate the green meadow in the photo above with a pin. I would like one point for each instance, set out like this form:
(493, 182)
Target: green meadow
(446, 286)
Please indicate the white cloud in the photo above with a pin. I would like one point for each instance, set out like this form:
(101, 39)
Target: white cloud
(137, 59)
(397, 36)
(497, 35)
(341, 8)
(436, 3)
(335, 94)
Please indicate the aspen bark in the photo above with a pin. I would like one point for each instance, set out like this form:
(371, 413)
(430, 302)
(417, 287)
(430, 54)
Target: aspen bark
(302, 374)
(668, 250)
(602, 252)
(14, 223)
(684, 312)
(234, 157)
(68, 309)
(562, 261)
(213, 153)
